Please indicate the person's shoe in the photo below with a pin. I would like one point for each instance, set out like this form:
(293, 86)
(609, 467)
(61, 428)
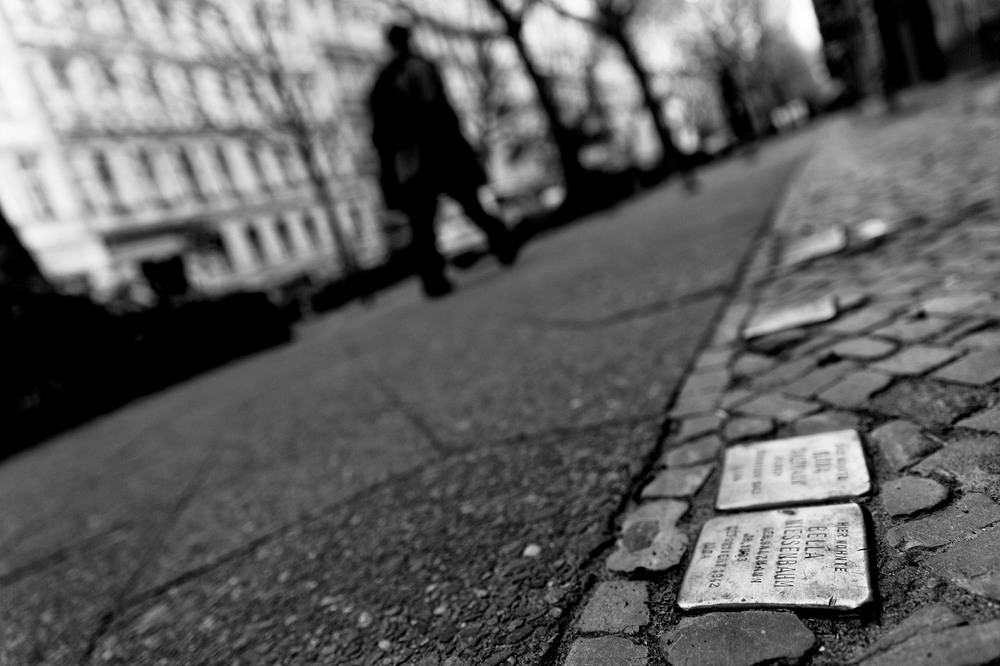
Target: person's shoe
(437, 287)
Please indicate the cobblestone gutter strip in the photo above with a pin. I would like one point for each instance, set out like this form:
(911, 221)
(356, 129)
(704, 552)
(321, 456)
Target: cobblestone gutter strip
(890, 327)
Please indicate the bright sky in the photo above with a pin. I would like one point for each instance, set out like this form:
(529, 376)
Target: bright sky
(800, 14)
(802, 21)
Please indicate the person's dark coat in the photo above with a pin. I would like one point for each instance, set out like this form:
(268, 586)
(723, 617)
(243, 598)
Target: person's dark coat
(417, 134)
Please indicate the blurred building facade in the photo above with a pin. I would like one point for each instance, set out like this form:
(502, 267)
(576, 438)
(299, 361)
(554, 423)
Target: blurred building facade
(136, 146)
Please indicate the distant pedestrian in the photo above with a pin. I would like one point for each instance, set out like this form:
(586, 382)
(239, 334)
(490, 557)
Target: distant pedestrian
(423, 154)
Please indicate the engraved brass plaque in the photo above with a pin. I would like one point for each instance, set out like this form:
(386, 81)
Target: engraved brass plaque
(805, 314)
(806, 557)
(799, 470)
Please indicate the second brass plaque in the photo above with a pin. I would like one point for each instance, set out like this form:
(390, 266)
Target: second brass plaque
(806, 557)
(798, 470)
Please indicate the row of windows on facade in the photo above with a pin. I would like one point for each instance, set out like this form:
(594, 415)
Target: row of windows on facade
(84, 85)
(273, 242)
(116, 182)
(185, 24)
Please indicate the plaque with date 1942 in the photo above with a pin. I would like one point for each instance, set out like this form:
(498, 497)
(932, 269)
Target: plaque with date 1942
(808, 557)
(825, 467)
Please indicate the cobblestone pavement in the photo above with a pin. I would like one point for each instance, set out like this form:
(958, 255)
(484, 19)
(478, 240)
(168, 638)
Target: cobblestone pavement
(888, 249)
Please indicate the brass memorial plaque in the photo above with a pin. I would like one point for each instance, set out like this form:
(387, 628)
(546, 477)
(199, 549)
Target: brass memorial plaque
(806, 557)
(799, 470)
(796, 316)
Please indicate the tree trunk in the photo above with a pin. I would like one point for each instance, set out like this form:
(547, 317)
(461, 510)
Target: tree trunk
(671, 159)
(567, 144)
(17, 267)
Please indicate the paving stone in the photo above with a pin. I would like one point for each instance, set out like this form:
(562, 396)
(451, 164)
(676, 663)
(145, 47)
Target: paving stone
(778, 407)
(743, 427)
(606, 651)
(861, 321)
(699, 451)
(972, 460)
(988, 420)
(971, 564)
(911, 329)
(695, 427)
(930, 402)
(869, 232)
(650, 538)
(748, 365)
(903, 443)
(819, 379)
(711, 381)
(851, 299)
(712, 359)
(677, 482)
(963, 516)
(693, 406)
(786, 372)
(730, 327)
(821, 244)
(958, 646)
(978, 368)
(796, 316)
(855, 390)
(917, 360)
(775, 343)
(955, 303)
(618, 607)
(825, 422)
(910, 494)
(965, 329)
(924, 620)
(816, 347)
(737, 639)
(735, 397)
(864, 348)
(982, 340)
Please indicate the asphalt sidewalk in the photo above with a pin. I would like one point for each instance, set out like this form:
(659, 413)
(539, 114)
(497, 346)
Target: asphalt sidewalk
(873, 305)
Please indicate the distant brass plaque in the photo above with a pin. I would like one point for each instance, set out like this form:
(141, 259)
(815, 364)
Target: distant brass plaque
(807, 557)
(799, 470)
(804, 314)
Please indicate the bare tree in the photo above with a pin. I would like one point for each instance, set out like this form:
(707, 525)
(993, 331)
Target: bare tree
(289, 111)
(728, 44)
(614, 19)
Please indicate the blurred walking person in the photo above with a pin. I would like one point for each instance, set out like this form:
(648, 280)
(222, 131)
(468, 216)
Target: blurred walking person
(423, 154)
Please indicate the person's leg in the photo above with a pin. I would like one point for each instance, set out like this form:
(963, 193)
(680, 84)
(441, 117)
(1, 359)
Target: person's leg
(427, 261)
(502, 243)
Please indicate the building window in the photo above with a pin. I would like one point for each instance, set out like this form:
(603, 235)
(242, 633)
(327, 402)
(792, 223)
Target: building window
(309, 222)
(258, 168)
(256, 245)
(60, 69)
(108, 181)
(149, 173)
(187, 166)
(192, 89)
(108, 73)
(283, 157)
(284, 237)
(227, 172)
(35, 186)
(154, 83)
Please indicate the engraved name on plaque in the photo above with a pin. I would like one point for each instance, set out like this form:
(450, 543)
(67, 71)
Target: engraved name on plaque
(799, 470)
(806, 557)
